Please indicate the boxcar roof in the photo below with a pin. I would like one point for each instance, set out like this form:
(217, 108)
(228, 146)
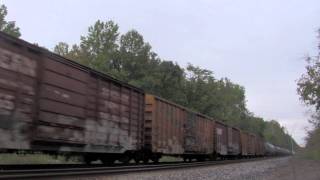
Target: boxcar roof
(188, 109)
(19, 42)
(206, 116)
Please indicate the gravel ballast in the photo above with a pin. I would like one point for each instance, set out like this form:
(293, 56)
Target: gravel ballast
(255, 170)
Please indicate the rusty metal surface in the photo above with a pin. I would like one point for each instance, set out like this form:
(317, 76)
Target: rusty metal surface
(205, 135)
(198, 134)
(88, 110)
(259, 149)
(164, 121)
(251, 144)
(233, 141)
(221, 139)
(46, 99)
(173, 129)
(244, 143)
(17, 80)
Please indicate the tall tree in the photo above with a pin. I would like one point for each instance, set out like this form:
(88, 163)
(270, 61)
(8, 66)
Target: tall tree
(62, 49)
(136, 56)
(99, 47)
(8, 27)
(309, 86)
(309, 91)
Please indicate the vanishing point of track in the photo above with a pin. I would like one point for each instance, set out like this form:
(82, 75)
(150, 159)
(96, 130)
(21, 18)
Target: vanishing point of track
(55, 173)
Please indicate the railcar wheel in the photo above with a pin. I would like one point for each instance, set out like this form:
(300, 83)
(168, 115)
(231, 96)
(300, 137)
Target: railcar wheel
(107, 160)
(185, 159)
(145, 160)
(125, 160)
(156, 159)
(137, 159)
(87, 160)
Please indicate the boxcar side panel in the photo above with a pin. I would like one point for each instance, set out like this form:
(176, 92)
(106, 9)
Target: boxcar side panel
(164, 123)
(51, 103)
(97, 113)
(205, 135)
(221, 139)
(259, 146)
(251, 144)
(244, 143)
(18, 69)
(233, 141)
(199, 134)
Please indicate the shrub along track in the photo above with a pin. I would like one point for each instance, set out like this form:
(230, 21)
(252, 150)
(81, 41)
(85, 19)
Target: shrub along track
(64, 170)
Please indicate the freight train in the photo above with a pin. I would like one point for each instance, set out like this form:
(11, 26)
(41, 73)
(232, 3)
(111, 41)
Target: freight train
(54, 105)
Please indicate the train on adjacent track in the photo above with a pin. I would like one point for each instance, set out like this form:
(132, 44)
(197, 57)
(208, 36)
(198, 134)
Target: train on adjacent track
(57, 106)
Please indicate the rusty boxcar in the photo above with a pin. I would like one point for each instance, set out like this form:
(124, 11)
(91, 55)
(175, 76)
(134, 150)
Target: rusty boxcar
(244, 143)
(251, 145)
(53, 104)
(174, 130)
(260, 151)
(199, 136)
(234, 142)
(221, 139)
(163, 128)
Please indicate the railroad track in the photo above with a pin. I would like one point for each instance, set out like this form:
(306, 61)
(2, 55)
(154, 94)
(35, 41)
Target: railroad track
(55, 173)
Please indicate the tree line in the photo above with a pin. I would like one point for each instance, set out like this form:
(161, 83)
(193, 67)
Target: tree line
(309, 91)
(129, 58)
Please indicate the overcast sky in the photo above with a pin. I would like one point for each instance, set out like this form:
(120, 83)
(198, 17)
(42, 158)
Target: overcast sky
(258, 44)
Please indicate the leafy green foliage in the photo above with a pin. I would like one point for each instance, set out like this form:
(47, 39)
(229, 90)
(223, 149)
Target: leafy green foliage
(309, 83)
(129, 58)
(8, 27)
(309, 91)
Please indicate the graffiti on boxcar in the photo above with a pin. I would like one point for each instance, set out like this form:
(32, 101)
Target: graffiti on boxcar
(108, 132)
(15, 114)
(190, 133)
(63, 95)
(12, 126)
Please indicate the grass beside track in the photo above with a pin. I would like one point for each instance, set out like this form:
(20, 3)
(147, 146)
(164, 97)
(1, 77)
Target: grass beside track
(34, 159)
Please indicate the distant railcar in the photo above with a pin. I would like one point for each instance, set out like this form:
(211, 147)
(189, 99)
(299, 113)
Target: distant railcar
(164, 128)
(171, 129)
(260, 150)
(234, 142)
(221, 139)
(251, 145)
(244, 144)
(199, 136)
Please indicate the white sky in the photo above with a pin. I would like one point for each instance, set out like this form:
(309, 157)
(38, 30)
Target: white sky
(259, 44)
